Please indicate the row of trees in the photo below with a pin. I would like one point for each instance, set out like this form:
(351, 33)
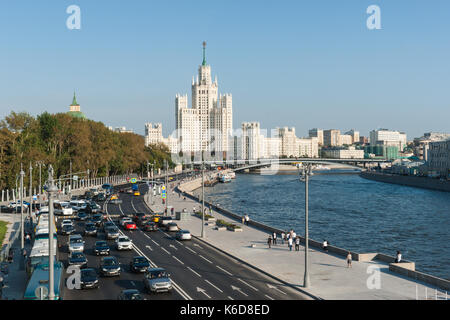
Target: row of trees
(60, 139)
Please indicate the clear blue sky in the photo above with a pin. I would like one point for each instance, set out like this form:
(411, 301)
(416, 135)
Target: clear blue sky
(295, 63)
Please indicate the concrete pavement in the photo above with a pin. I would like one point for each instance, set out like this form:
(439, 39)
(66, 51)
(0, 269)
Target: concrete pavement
(330, 278)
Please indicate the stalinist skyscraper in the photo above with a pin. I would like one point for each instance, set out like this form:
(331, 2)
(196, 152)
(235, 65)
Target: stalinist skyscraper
(209, 123)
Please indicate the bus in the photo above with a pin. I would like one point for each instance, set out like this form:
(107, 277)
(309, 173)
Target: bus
(39, 253)
(38, 285)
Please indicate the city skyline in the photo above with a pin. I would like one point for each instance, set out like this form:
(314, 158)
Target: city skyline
(351, 78)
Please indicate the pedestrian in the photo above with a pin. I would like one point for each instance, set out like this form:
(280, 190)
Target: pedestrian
(283, 236)
(247, 219)
(269, 242)
(290, 244)
(325, 245)
(171, 210)
(349, 260)
(297, 243)
(398, 257)
(294, 235)
(274, 239)
(27, 238)
(24, 253)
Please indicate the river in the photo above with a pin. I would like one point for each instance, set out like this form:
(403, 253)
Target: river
(350, 212)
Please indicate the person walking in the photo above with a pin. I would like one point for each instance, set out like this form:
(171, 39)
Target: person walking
(290, 244)
(297, 243)
(274, 238)
(325, 245)
(398, 258)
(283, 236)
(269, 242)
(349, 260)
(243, 220)
(247, 219)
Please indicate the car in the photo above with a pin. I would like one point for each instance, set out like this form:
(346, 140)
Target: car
(6, 209)
(97, 219)
(101, 248)
(163, 221)
(110, 266)
(130, 294)
(142, 221)
(150, 226)
(88, 279)
(100, 197)
(75, 243)
(121, 190)
(139, 264)
(155, 218)
(124, 243)
(92, 207)
(183, 235)
(137, 216)
(67, 229)
(137, 193)
(112, 232)
(123, 220)
(82, 216)
(77, 259)
(114, 197)
(62, 208)
(107, 224)
(66, 222)
(129, 191)
(78, 205)
(90, 229)
(171, 227)
(157, 280)
(130, 225)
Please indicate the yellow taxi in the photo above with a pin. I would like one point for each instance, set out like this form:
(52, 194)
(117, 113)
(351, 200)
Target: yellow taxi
(114, 197)
(155, 218)
(137, 193)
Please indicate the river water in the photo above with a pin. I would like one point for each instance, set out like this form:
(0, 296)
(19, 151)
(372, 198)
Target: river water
(350, 212)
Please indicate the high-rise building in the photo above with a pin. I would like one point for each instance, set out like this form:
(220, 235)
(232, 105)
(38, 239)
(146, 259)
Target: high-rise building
(153, 133)
(354, 134)
(317, 133)
(388, 138)
(332, 138)
(289, 145)
(209, 123)
(439, 158)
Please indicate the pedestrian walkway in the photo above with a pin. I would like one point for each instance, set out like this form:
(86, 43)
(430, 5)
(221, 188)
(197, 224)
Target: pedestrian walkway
(329, 276)
(14, 272)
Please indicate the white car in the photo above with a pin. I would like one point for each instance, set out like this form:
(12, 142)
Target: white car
(183, 235)
(75, 243)
(124, 243)
(78, 204)
(66, 222)
(63, 208)
(126, 219)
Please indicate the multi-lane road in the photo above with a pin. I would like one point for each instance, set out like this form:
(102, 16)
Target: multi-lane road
(198, 271)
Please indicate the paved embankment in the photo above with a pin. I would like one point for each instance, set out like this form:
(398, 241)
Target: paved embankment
(371, 277)
(411, 181)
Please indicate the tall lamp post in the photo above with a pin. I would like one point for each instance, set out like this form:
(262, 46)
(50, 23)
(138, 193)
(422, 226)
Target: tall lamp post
(22, 234)
(31, 192)
(52, 190)
(306, 172)
(203, 199)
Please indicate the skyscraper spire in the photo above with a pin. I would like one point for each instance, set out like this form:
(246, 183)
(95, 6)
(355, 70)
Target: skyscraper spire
(74, 101)
(204, 54)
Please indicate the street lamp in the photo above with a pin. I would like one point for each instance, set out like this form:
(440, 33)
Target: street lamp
(22, 234)
(52, 190)
(203, 199)
(31, 192)
(305, 173)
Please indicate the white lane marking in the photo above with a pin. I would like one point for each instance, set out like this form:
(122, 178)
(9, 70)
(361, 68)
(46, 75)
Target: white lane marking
(172, 246)
(269, 297)
(178, 260)
(204, 258)
(148, 247)
(197, 245)
(203, 291)
(230, 298)
(155, 242)
(274, 287)
(194, 272)
(224, 270)
(239, 289)
(213, 286)
(248, 284)
(165, 250)
(191, 250)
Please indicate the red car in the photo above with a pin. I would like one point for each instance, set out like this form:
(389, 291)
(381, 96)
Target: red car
(130, 226)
